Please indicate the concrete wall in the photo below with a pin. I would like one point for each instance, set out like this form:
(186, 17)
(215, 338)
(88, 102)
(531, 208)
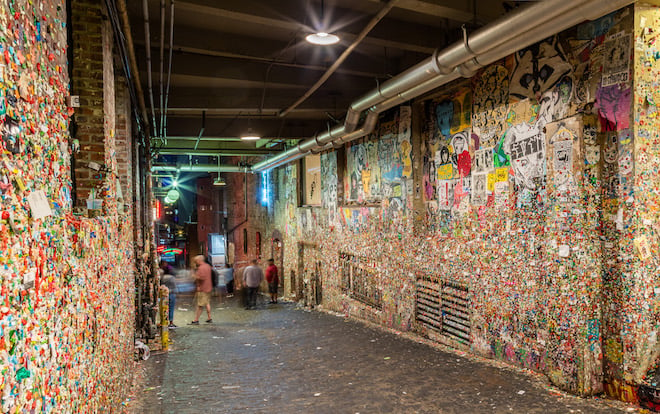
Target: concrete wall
(512, 215)
(66, 281)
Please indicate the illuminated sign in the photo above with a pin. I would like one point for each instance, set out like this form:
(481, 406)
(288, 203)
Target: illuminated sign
(173, 251)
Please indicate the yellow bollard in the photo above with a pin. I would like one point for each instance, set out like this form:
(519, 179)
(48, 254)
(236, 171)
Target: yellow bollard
(163, 307)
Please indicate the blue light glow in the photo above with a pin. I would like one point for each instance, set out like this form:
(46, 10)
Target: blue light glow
(265, 189)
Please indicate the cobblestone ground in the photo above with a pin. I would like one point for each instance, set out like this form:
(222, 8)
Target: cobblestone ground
(282, 359)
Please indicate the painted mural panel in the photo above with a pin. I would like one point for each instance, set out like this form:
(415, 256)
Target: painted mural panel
(379, 169)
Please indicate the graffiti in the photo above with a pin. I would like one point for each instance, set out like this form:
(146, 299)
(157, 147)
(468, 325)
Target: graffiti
(538, 68)
(614, 107)
(490, 104)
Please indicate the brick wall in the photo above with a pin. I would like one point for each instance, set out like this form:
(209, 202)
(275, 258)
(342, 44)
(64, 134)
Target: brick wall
(87, 82)
(123, 139)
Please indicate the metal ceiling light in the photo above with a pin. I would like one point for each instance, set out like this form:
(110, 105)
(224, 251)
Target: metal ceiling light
(219, 180)
(321, 37)
(250, 135)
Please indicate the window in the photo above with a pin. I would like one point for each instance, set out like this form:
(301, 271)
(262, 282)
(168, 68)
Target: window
(245, 241)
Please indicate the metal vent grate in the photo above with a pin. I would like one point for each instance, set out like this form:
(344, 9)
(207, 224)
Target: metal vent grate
(455, 311)
(427, 310)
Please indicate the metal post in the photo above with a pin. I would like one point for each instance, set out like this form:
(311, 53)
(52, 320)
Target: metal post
(164, 304)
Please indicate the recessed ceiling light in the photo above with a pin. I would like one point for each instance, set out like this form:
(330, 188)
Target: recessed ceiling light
(322, 38)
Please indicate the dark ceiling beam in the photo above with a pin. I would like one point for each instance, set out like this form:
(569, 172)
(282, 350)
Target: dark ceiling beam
(194, 81)
(436, 10)
(208, 97)
(268, 61)
(215, 153)
(228, 127)
(251, 113)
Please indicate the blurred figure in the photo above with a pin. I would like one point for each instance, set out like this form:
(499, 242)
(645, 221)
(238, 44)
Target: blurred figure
(228, 274)
(252, 278)
(273, 280)
(202, 273)
(168, 280)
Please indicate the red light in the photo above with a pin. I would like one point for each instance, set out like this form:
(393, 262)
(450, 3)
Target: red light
(159, 249)
(159, 210)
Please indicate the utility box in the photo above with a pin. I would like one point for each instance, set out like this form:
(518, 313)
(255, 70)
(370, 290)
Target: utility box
(217, 250)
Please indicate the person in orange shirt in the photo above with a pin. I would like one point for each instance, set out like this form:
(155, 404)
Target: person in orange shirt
(204, 288)
(273, 280)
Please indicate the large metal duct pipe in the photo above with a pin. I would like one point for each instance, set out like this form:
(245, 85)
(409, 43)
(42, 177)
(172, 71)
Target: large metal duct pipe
(504, 29)
(199, 168)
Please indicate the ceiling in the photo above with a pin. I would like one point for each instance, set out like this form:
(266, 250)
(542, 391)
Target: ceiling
(245, 64)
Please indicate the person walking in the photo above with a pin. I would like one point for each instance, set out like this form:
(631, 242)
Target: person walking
(228, 274)
(204, 288)
(252, 278)
(273, 280)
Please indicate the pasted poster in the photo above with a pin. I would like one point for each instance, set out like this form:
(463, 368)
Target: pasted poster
(563, 150)
(483, 161)
(329, 180)
(490, 104)
(479, 189)
(313, 180)
(525, 146)
(445, 189)
(616, 64)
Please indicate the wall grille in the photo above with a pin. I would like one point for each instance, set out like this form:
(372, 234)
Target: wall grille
(360, 280)
(444, 307)
(455, 311)
(428, 311)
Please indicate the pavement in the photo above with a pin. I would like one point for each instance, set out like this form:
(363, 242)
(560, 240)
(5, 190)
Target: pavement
(281, 358)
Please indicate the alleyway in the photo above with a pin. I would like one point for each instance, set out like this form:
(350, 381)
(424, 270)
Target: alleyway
(282, 359)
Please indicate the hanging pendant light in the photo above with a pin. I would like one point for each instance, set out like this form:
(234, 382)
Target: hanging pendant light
(321, 37)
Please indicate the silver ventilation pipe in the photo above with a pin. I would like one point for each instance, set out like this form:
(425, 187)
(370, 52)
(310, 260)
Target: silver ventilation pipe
(478, 51)
(199, 168)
